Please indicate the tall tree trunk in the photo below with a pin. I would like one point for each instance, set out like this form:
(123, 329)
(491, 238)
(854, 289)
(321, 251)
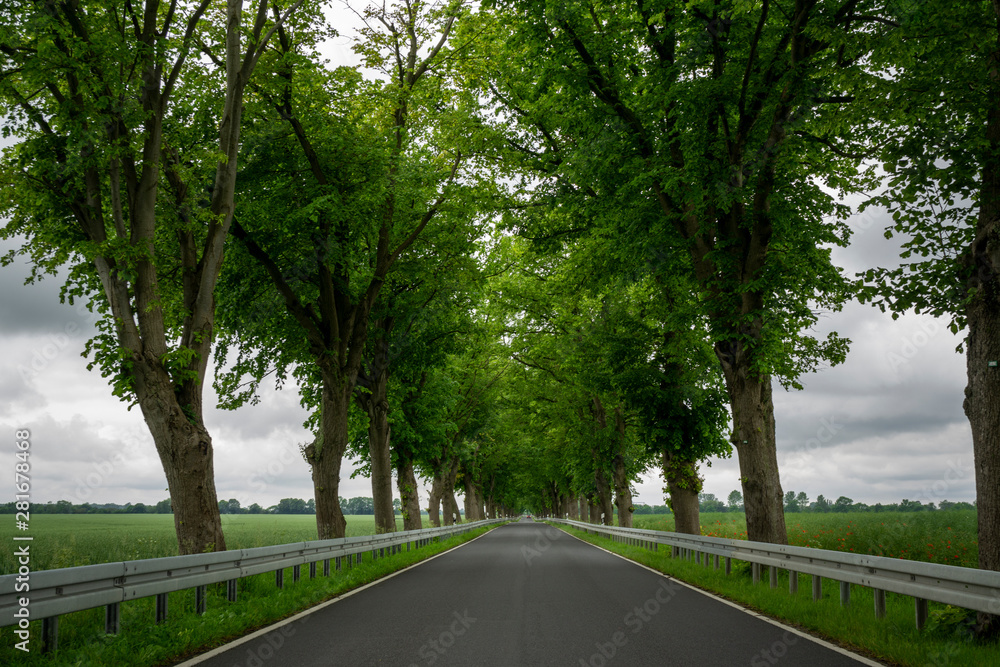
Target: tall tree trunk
(684, 484)
(594, 507)
(434, 500)
(584, 508)
(573, 508)
(754, 439)
(375, 403)
(324, 456)
(185, 451)
(623, 494)
(604, 503)
(409, 501)
(451, 512)
(982, 394)
(471, 502)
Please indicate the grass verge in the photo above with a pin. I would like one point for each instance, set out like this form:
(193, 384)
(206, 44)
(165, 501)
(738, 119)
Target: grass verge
(946, 641)
(143, 643)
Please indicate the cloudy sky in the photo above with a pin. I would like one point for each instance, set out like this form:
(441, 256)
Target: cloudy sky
(886, 425)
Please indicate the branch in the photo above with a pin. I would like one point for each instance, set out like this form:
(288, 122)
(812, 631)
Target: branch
(431, 212)
(834, 149)
(303, 314)
(535, 366)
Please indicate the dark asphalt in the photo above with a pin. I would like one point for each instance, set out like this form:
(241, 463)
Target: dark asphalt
(528, 594)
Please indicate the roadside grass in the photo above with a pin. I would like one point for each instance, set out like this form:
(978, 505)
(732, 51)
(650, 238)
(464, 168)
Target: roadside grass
(948, 537)
(142, 643)
(69, 540)
(945, 641)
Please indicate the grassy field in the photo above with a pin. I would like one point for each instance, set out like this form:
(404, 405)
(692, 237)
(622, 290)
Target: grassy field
(82, 539)
(935, 537)
(946, 641)
(68, 540)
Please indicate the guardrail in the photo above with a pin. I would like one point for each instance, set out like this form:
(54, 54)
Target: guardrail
(959, 586)
(52, 593)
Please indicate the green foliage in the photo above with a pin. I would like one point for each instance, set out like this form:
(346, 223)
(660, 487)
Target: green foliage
(933, 149)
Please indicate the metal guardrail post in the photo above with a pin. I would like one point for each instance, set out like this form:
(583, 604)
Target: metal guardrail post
(279, 578)
(231, 590)
(199, 600)
(793, 582)
(326, 567)
(161, 608)
(774, 576)
(817, 587)
(920, 607)
(845, 594)
(755, 568)
(296, 573)
(50, 634)
(312, 570)
(879, 604)
(112, 618)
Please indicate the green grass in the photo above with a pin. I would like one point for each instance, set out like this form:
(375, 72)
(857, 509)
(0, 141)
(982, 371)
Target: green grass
(936, 537)
(945, 641)
(141, 642)
(68, 540)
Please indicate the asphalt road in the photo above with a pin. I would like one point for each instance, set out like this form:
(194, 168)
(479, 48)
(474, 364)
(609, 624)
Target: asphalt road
(528, 594)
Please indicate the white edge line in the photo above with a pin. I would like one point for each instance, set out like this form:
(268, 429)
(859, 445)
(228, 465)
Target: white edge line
(302, 614)
(833, 647)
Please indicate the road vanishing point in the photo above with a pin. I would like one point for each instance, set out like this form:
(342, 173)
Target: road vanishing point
(528, 594)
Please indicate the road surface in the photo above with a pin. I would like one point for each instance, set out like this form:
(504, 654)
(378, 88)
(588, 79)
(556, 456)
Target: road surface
(528, 594)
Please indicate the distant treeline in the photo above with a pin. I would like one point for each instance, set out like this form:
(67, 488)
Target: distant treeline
(799, 502)
(231, 506)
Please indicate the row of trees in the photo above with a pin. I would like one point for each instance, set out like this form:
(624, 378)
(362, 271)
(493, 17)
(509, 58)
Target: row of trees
(358, 506)
(542, 249)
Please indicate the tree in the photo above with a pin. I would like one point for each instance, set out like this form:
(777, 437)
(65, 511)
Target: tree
(126, 170)
(291, 506)
(334, 207)
(791, 503)
(735, 501)
(709, 503)
(802, 499)
(821, 504)
(724, 118)
(942, 154)
(843, 504)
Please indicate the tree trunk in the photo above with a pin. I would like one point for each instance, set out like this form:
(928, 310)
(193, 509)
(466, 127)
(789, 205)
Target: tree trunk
(324, 456)
(594, 507)
(573, 508)
(434, 500)
(584, 508)
(754, 439)
(375, 403)
(604, 499)
(409, 501)
(623, 494)
(451, 512)
(473, 497)
(185, 451)
(684, 484)
(982, 394)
